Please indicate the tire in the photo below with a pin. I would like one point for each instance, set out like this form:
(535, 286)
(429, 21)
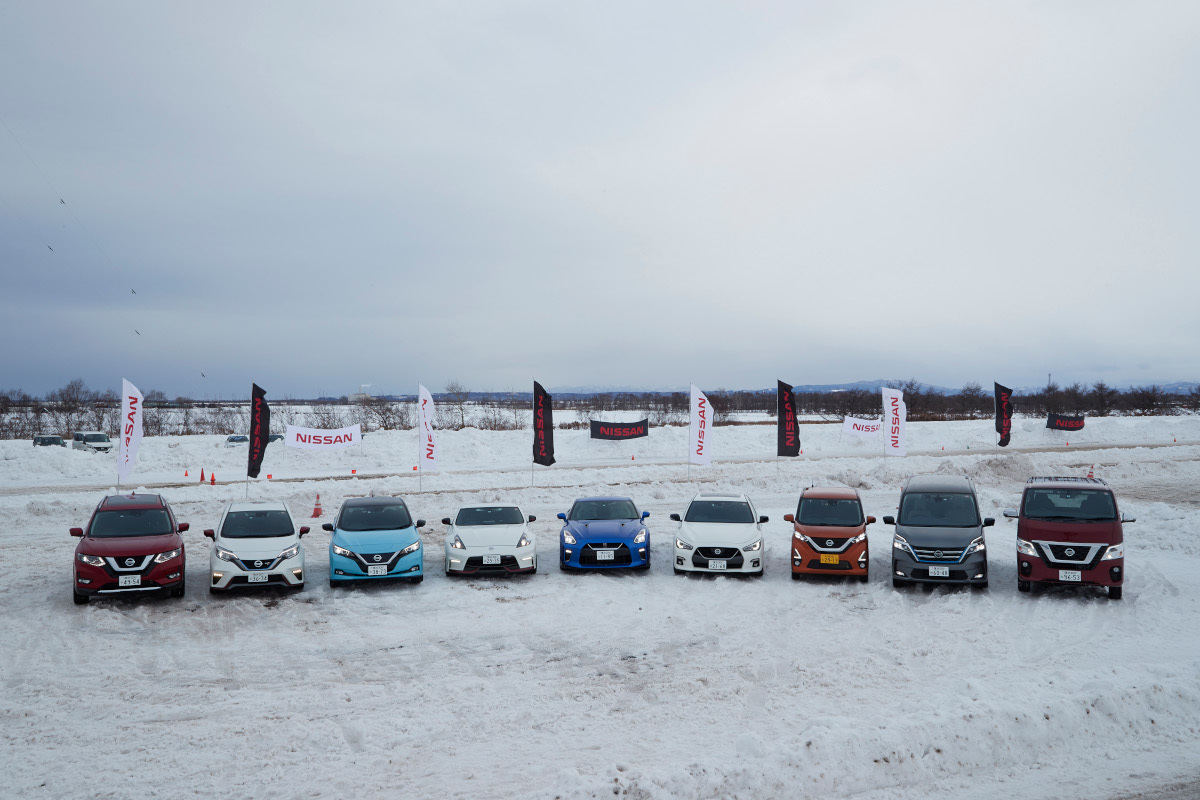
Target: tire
(1114, 592)
(80, 599)
(864, 578)
(979, 587)
(678, 571)
(179, 590)
(796, 576)
(417, 579)
(214, 590)
(1022, 586)
(898, 584)
(643, 567)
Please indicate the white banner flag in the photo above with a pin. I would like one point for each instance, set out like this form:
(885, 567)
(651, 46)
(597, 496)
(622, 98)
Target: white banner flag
(427, 458)
(864, 428)
(131, 429)
(895, 413)
(698, 452)
(322, 438)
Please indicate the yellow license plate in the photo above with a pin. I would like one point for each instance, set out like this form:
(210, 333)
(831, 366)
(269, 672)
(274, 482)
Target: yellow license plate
(828, 559)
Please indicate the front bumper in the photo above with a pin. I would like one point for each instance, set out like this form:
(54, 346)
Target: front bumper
(971, 570)
(101, 581)
(469, 561)
(1105, 573)
(343, 568)
(227, 575)
(590, 555)
(737, 561)
(854, 560)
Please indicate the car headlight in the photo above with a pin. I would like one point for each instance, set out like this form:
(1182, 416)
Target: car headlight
(95, 561)
(804, 539)
(524, 542)
(861, 537)
(1113, 552)
(568, 538)
(641, 536)
(341, 551)
(291, 552)
(225, 555)
(900, 543)
(457, 544)
(163, 558)
(1026, 548)
(412, 548)
(975, 546)
(680, 544)
(750, 548)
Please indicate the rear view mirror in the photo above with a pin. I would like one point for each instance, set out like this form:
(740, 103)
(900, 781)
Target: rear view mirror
(532, 518)
(77, 531)
(1125, 518)
(889, 520)
(1011, 513)
(210, 533)
(645, 514)
(675, 517)
(988, 522)
(761, 520)
(789, 517)
(303, 529)
(562, 516)
(328, 526)
(183, 526)
(445, 520)
(870, 520)
(420, 523)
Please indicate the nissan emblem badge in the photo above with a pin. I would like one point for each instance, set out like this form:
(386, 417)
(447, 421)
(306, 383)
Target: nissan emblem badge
(129, 562)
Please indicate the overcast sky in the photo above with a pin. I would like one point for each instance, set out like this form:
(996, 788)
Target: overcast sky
(317, 196)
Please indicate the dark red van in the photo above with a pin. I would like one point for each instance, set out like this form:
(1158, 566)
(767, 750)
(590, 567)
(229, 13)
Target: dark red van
(131, 545)
(1069, 532)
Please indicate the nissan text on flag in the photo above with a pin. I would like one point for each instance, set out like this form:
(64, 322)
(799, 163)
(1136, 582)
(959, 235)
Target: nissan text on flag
(256, 544)
(720, 533)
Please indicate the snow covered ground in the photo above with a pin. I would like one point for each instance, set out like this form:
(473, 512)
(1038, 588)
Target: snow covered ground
(634, 685)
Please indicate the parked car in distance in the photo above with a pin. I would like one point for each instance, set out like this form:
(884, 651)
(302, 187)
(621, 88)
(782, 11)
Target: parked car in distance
(275, 437)
(829, 533)
(939, 535)
(1069, 532)
(45, 440)
(495, 540)
(235, 439)
(91, 441)
(256, 543)
(131, 544)
(720, 533)
(375, 538)
(604, 533)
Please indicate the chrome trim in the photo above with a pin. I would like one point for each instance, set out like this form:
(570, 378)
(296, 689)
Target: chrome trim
(128, 589)
(112, 562)
(1048, 555)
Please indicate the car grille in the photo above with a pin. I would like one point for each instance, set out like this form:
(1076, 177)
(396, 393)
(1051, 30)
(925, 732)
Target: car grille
(368, 559)
(950, 555)
(115, 565)
(843, 564)
(829, 544)
(731, 555)
(242, 580)
(621, 554)
(256, 564)
(1085, 556)
(475, 564)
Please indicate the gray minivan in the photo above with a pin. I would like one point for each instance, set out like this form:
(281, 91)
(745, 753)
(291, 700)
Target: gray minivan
(939, 535)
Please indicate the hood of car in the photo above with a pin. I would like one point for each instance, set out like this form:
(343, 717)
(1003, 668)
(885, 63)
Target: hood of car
(129, 545)
(939, 537)
(715, 534)
(604, 530)
(1108, 530)
(489, 535)
(820, 532)
(374, 541)
(259, 547)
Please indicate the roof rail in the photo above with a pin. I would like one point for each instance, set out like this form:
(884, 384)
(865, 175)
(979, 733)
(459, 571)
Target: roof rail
(1066, 479)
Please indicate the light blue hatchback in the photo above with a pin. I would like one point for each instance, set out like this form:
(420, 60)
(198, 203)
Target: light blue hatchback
(374, 538)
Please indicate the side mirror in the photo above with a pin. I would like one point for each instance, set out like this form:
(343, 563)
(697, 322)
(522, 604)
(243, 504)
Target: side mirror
(645, 514)
(328, 526)
(889, 520)
(303, 529)
(676, 518)
(988, 522)
(77, 531)
(420, 523)
(561, 516)
(210, 533)
(532, 518)
(1125, 518)
(789, 518)
(761, 520)
(183, 526)
(445, 520)
(1010, 513)
(870, 520)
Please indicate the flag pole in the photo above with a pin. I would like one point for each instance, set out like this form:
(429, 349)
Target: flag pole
(420, 433)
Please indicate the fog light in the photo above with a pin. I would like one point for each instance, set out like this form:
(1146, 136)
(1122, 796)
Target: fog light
(217, 576)
(1115, 573)
(299, 573)
(566, 555)
(641, 551)
(85, 580)
(338, 572)
(679, 561)
(414, 568)
(1026, 568)
(796, 562)
(978, 574)
(173, 576)
(901, 574)
(753, 563)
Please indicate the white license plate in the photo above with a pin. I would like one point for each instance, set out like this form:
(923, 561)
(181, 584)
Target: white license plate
(491, 559)
(605, 555)
(256, 577)
(716, 563)
(129, 580)
(1072, 575)
(939, 572)
(377, 569)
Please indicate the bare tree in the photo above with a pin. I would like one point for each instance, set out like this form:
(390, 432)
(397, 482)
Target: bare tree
(457, 396)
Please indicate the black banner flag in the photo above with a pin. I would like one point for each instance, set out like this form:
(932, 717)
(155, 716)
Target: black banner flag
(1004, 412)
(543, 427)
(1062, 422)
(620, 430)
(787, 434)
(260, 428)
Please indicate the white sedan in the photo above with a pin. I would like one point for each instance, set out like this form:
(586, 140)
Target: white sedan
(720, 533)
(256, 544)
(489, 540)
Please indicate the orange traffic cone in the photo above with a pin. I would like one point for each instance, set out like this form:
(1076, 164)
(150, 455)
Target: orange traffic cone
(317, 508)
(1091, 471)
(202, 474)
(212, 479)
(185, 473)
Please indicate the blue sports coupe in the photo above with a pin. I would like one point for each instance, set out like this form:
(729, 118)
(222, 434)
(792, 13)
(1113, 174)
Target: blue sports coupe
(374, 538)
(604, 533)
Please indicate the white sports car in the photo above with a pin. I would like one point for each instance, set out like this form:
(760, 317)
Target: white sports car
(720, 533)
(256, 544)
(489, 540)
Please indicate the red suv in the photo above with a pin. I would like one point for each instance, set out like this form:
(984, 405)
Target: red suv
(132, 544)
(1069, 531)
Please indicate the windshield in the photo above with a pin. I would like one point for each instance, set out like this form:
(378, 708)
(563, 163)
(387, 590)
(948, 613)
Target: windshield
(938, 510)
(95, 437)
(719, 511)
(374, 517)
(253, 524)
(49, 440)
(838, 512)
(603, 509)
(131, 522)
(1083, 505)
(489, 515)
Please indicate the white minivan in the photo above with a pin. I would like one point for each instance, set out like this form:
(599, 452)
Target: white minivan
(256, 544)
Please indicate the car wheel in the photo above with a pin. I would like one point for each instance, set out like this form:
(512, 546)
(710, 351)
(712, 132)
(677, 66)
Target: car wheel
(796, 576)
(979, 587)
(80, 599)
(214, 590)
(1114, 593)
(178, 590)
(643, 567)
(863, 578)
(1022, 586)
(898, 584)
(417, 579)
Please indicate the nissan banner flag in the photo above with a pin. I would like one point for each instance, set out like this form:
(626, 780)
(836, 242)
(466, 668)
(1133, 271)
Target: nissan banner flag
(543, 426)
(1004, 412)
(895, 413)
(260, 429)
(131, 429)
(427, 460)
(620, 431)
(863, 428)
(322, 438)
(787, 437)
(1064, 422)
(701, 424)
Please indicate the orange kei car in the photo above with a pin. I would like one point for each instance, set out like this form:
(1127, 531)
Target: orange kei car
(830, 533)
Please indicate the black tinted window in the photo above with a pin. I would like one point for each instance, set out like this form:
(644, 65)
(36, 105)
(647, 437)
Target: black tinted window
(840, 512)
(249, 524)
(131, 522)
(603, 509)
(489, 515)
(938, 510)
(719, 511)
(374, 517)
(1074, 504)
